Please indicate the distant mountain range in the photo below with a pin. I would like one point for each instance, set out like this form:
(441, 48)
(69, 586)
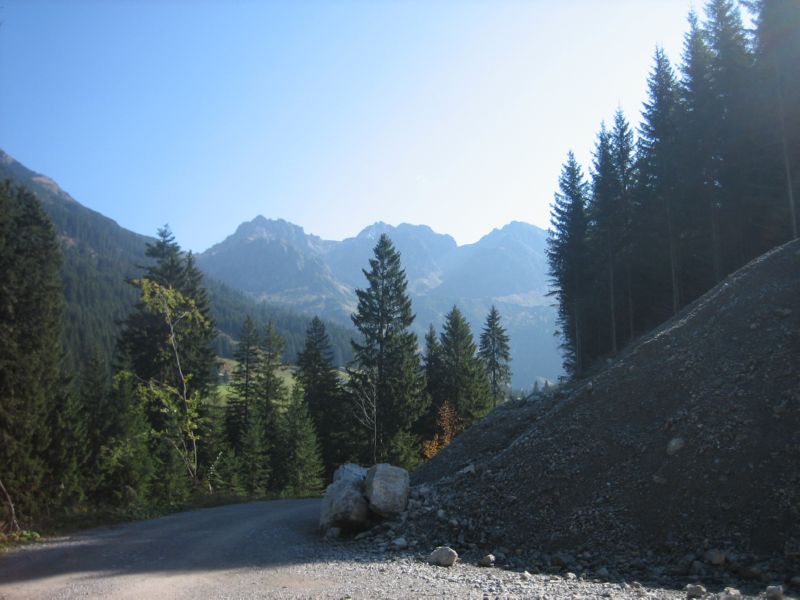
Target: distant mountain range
(276, 261)
(99, 258)
(273, 270)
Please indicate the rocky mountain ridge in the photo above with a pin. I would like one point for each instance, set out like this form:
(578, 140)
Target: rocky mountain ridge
(277, 261)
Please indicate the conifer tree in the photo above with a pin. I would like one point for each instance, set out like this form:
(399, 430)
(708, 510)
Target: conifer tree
(660, 201)
(30, 349)
(432, 364)
(302, 450)
(272, 399)
(496, 355)
(386, 366)
(243, 384)
(323, 394)
(699, 164)
(568, 257)
(464, 380)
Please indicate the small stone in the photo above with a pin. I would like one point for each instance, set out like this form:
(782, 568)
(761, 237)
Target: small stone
(486, 561)
(783, 312)
(774, 592)
(715, 557)
(525, 576)
(602, 572)
(443, 556)
(659, 479)
(399, 543)
(571, 576)
(695, 590)
(729, 594)
(675, 445)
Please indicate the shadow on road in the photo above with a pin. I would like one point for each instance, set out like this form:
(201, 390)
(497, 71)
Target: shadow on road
(257, 534)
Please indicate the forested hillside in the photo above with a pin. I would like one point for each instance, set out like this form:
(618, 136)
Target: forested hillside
(708, 181)
(100, 257)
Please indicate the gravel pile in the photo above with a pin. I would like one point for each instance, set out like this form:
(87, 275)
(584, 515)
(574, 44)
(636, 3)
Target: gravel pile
(679, 462)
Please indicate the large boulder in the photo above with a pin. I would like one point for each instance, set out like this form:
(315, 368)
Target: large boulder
(344, 506)
(387, 489)
(351, 472)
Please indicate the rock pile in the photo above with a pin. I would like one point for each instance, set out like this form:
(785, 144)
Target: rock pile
(678, 461)
(357, 492)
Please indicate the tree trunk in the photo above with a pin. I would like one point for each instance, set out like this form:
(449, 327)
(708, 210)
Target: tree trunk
(786, 164)
(13, 526)
(673, 262)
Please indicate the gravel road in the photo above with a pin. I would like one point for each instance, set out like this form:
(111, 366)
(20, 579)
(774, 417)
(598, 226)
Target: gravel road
(260, 550)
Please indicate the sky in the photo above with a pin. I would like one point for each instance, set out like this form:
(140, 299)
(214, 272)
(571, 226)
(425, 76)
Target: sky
(329, 114)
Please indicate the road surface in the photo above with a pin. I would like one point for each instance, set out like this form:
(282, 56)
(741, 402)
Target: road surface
(255, 550)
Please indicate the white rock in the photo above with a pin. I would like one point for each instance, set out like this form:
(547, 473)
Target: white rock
(343, 506)
(387, 489)
(443, 556)
(486, 561)
(350, 471)
(729, 594)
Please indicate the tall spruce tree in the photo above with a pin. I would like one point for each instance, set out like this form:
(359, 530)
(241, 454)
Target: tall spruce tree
(464, 381)
(243, 385)
(386, 367)
(660, 202)
(30, 350)
(303, 454)
(272, 399)
(323, 394)
(496, 355)
(568, 257)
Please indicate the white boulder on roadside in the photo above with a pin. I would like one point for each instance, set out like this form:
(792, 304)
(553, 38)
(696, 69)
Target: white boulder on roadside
(350, 472)
(443, 556)
(387, 489)
(344, 506)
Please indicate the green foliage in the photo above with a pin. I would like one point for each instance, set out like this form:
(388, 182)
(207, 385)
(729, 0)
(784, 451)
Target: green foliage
(387, 381)
(301, 450)
(712, 183)
(464, 381)
(324, 396)
(30, 350)
(496, 355)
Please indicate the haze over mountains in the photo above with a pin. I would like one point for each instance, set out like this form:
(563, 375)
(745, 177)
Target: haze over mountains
(278, 262)
(273, 269)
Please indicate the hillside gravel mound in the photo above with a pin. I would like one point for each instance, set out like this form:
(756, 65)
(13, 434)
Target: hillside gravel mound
(684, 453)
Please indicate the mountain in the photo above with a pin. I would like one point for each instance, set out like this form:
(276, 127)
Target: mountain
(277, 261)
(100, 256)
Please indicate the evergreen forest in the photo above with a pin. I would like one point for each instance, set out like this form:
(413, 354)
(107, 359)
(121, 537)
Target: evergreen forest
(706, 182)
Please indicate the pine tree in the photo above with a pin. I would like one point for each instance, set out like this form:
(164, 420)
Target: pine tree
(432, 364)
(730, 77)
(302, 450)
(699, 165)
(272, 399)
(464, 380)
(777, 54)
(243, 385)
(30, 350)
(659, 198)
(496, 355)
(568, 257)
(323, 394)
(386, 368)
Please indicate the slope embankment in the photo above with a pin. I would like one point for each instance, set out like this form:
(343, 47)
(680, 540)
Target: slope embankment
(686, 447)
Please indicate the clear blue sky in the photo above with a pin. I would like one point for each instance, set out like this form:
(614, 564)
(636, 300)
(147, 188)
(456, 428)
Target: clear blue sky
(330, 114)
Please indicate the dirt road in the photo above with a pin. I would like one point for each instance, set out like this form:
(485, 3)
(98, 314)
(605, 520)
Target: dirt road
(256, 550)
